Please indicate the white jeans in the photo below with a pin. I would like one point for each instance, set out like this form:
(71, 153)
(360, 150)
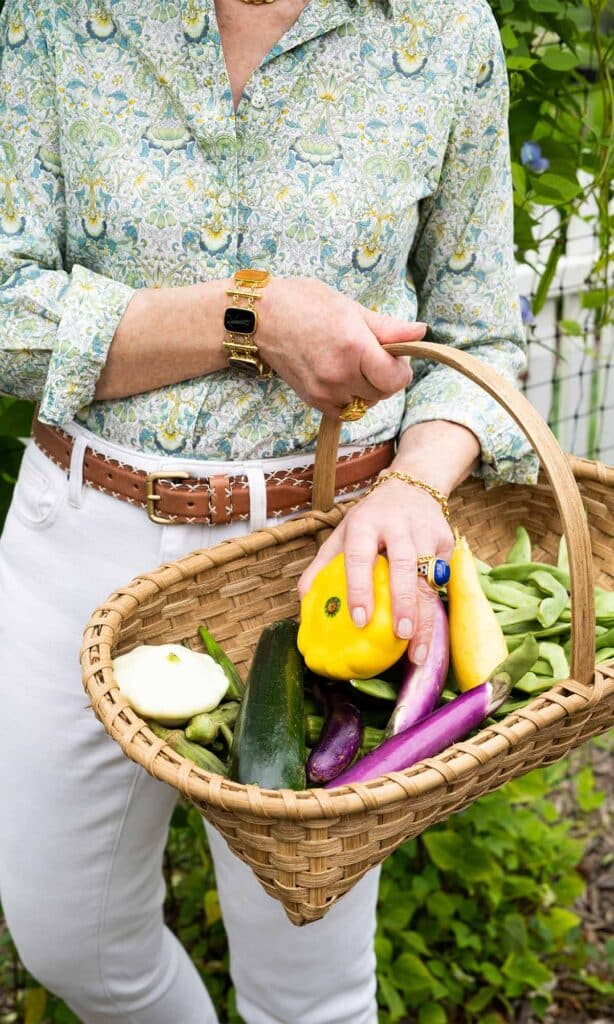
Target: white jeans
(83, 829)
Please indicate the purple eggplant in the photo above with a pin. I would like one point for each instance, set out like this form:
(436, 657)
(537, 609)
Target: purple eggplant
(422, 684)
(444, 726)
(339, 740)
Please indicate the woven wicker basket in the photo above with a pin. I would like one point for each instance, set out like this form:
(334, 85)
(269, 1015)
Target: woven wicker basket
(309, 848)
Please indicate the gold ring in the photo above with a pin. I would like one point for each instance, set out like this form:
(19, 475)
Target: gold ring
(354, 410)
(435, 570)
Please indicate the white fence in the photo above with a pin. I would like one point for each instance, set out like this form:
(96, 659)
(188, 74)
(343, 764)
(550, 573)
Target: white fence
(569, 376)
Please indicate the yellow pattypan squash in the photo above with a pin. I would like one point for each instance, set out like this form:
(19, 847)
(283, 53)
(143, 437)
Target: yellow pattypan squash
(328, 639)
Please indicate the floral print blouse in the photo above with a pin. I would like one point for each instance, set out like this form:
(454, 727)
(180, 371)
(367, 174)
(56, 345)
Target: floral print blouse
(369, 149)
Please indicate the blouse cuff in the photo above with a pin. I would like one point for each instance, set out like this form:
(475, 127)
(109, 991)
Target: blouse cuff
(93, 305)
(506, 454)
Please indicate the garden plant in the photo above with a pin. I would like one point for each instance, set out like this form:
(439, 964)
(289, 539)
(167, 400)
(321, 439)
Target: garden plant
(481, 919)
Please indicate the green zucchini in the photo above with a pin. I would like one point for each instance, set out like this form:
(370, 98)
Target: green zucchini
(268, 748)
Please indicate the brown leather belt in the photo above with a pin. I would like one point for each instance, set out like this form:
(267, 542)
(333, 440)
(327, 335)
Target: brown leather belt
(173, 497)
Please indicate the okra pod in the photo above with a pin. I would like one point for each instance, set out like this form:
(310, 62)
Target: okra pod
(177, 741)
(202, 729)
(313, 728)
(236, 686)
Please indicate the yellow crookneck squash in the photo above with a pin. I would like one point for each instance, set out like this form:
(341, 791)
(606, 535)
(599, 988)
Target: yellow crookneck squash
(331, 644)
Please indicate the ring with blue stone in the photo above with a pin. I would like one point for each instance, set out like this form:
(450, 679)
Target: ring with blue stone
(436, 571)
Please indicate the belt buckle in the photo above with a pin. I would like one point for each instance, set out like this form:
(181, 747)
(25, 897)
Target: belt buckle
(151, 497)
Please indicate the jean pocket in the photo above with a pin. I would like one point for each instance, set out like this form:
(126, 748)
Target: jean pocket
(39, 491)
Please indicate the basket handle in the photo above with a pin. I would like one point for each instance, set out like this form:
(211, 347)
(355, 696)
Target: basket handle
(555, 465)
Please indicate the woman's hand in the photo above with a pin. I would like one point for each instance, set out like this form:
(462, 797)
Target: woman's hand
(327, 347)
(403, 522)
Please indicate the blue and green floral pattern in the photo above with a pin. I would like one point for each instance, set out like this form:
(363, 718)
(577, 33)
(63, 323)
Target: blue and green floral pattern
(369, 149)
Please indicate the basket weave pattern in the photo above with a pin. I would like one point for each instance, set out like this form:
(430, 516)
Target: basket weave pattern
(309, 848)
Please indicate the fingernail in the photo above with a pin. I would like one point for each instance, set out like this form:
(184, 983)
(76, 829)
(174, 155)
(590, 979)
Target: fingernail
(420, 654)
(404, 629)
(359, 617)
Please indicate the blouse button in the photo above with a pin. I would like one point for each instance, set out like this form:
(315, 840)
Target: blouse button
(258, 99)
(224, 198)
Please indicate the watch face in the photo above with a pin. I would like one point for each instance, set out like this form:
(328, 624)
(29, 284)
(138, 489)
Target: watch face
(239, 321)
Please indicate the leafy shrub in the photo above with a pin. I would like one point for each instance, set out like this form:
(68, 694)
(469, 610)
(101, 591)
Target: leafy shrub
(473, 915)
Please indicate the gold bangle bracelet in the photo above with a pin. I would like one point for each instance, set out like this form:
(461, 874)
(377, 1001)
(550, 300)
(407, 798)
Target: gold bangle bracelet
(434, 493)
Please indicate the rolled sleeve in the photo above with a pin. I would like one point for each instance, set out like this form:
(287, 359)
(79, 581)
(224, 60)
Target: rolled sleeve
(462, 267)
(56, 322)
(93, 305)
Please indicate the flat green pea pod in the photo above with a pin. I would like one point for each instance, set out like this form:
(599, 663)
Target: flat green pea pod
(520, 550)
(380, 688)
(508, 592)
(236, 686)
(533, 684)
(604, 607)
(516, 640)
(522, 571)
(482, 567)
(605, 639)
(542, 668)
(523, 616)
(523, 627)
(550, 607)
(605, 654)
(508, 708)
(554, 655)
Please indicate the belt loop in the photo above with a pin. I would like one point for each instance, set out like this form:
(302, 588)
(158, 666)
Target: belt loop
(75, 473)
(257, 498)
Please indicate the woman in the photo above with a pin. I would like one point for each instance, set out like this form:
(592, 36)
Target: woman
(357, 151)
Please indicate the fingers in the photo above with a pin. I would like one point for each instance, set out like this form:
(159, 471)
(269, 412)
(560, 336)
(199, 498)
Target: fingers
(389, 329)
(385, 372)
(420, 642)
(361, 550)
(331, 547)
(403, 582)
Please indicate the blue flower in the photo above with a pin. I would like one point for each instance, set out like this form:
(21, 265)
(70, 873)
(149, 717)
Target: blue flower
(531, 157)
(525, 311)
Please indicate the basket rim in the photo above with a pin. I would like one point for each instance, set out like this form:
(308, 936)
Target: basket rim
(450, 768)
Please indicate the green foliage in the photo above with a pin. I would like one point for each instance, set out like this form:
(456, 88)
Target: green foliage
(473, 915)
(476, 913)
(15, 420)
(560, 59)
